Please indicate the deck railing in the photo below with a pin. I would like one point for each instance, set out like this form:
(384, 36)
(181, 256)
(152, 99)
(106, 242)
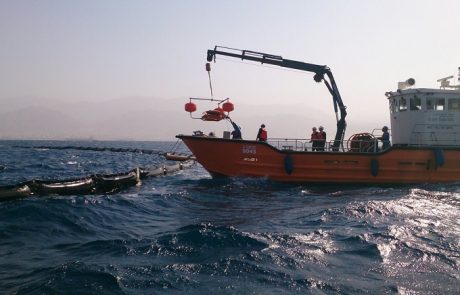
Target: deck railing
(304, 144)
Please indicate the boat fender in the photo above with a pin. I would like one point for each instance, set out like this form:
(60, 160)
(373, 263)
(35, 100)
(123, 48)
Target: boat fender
(152, 172)
(288, 164)
(14, 192)
(439, 157)
(374, 167)
(113, 182)
(172, 168)
(188, 164)
(63, 187)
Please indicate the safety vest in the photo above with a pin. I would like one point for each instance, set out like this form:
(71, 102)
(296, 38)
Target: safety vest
(315, 136)
(322, 135)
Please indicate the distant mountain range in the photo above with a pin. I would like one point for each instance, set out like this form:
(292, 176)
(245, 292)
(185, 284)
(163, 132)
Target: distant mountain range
(141, 118)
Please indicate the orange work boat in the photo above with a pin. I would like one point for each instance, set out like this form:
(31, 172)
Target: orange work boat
(425, 136)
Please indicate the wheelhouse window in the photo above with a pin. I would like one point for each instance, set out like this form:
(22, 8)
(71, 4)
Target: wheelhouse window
(453, 104)
(435, 104)
(430, 104)
(393, 105)
(440, 104)
(415, 104)
(402, 104)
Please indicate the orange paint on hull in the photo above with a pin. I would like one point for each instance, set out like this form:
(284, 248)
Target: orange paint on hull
(224, 157)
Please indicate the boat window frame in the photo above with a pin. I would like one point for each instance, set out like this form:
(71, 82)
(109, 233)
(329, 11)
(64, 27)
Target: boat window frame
(396, 105)
(432, 104)
(438, 106)
(450, 102)
(402, 104)
(392, 105)
(429, 103)
(415, 103)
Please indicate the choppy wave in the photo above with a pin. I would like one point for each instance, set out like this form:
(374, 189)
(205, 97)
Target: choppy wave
(189, 233)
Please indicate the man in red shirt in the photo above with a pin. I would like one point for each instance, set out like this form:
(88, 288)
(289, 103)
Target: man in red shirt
(314, 139)
(262, 134)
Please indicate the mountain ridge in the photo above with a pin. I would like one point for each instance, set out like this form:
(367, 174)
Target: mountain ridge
(146, 118)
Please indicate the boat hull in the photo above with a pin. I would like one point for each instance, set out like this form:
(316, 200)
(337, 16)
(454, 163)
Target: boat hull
(242, 158)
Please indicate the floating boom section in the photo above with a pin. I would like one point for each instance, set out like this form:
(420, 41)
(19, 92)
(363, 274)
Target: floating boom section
(319, 71)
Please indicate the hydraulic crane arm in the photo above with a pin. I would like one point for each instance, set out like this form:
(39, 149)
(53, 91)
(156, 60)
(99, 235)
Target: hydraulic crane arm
(319, 71)
(267, 59)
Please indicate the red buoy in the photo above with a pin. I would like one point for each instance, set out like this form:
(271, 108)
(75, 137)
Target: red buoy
(208, 67)
(190, 107)
(228, 107)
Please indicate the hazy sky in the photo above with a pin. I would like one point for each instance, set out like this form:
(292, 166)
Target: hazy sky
(106, 49)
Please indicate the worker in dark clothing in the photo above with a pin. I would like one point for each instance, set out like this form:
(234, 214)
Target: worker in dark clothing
(385, 138)
(236, 133)
(262, 134)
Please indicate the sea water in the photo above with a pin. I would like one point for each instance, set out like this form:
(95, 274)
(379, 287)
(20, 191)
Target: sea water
(188, 233)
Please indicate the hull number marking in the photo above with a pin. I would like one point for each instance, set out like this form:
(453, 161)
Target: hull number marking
(249, 149)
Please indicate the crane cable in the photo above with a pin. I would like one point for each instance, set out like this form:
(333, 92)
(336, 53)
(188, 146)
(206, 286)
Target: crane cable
(208, 69)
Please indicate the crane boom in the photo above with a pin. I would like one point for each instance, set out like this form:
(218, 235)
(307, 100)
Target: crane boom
(319, 71)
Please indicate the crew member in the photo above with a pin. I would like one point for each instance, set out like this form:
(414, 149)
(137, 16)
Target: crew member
(385, 138)
(236, 133)
(262, 134)
(321, 138)
(314, 139)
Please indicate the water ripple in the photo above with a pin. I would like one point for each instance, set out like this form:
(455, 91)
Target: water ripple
(188, 233)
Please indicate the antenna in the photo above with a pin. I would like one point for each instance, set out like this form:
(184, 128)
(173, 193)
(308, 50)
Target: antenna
(445, 83)
(445, 79)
